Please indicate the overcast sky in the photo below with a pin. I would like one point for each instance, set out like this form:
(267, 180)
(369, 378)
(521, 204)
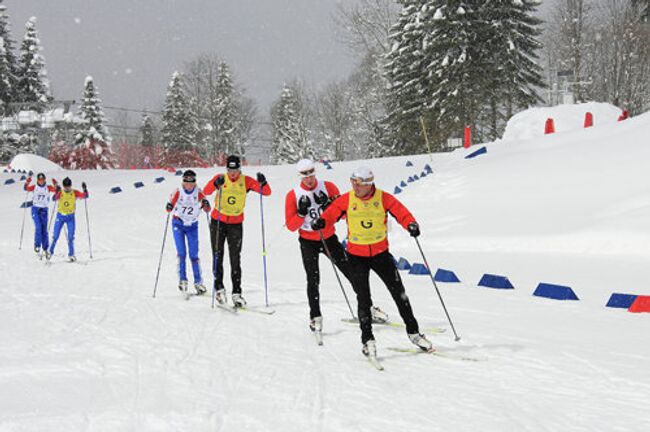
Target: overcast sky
(131, 47)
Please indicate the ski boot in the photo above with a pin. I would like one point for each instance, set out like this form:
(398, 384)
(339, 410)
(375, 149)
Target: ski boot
(182, 286)
(221, 296)
(48, 255)
(200, 289)
(72, 258)
(238, 301)
(421, 342)
(369, 349)
(316, 324)
(37, 250)
(378, 315)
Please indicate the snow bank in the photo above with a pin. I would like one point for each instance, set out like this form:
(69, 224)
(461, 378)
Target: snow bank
(530, 123)
(30, 162)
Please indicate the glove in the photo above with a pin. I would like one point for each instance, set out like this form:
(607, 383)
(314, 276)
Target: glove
(321, 198)
(414, 229)
(303, 205)
(30, 173)
(169, 207)
(219, 181)
(318, 224)
(261, 179)
(205, 205)
(54, 182)
(58, 188)
(84, 187)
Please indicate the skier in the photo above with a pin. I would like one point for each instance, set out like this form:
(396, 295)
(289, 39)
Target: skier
(227, 219)
(186, 203)
(366, 208)
(67, 198)
(302, 206)
(40, 202)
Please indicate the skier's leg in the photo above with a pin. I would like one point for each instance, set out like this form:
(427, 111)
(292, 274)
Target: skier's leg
(218, 249)
(193, 247)
(181, 252)
(384, 265)
(309, 249)
(37, 227)
(235, 236)
(43, 214)
(58, 225)
(361, 283)
(70, 223)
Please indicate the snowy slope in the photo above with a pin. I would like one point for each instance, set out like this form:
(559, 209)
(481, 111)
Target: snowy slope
(86, 347)
(31, 162)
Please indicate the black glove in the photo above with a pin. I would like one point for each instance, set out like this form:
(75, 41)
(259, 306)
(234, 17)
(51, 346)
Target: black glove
(58, 188)
(205, 204)
(169, 207)
(219, 181)
(30, 173)
(261, 179)
(303, 205)
(318, 224)
(84, 187)
(414, 229)
(321, 198)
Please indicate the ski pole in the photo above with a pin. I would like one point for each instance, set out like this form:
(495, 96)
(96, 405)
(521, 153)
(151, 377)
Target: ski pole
(338, 278)
(90, 247)
(215, 248)
(437, 290)
(49, 224)
(22, 227)
(162, 249)
(266, 289)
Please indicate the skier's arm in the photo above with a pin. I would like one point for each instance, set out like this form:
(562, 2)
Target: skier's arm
(53, 186)
(254, 185)
(209, 187)
(334, 211)
(80, 195)
(173, 199)
(291, 218)
(205, 205)
(29, 187)
(401, 214)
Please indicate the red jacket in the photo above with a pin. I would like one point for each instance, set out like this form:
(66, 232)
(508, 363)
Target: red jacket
(251, 185)
(293, 221)
(30, 187)
(391, 205)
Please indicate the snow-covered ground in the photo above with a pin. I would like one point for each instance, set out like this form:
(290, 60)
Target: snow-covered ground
(31, 162)
(86, 347)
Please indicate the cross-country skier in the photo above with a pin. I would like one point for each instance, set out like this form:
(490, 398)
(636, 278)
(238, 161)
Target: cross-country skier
(67, 199)
(226, 224)
(40, 201)
(303, 205)
(366, 208)
(187, 202)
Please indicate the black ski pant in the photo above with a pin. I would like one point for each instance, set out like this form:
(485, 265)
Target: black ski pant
(383, 265)
(311, 250)
(233, 233)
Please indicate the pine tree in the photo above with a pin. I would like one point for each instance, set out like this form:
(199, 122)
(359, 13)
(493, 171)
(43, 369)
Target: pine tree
(8, 63)
(225, 112)
(33, 86)
(147, 131)
(511, 31)
(93, 141)
(179, 127)
(290, 137)
(405, 71)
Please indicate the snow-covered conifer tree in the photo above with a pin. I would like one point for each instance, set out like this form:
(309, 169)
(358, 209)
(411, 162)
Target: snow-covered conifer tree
(8, 63)
(33, 86)
(290, 137)
(92, 148)
(178, 128)
(224, 105)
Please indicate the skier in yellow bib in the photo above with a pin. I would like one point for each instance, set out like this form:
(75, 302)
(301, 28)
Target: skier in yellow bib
(66, 204)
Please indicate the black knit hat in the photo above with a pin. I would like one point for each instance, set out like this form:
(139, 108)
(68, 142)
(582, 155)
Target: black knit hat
(40, 176)
(189, 176)
(67, 181)
(233, 162)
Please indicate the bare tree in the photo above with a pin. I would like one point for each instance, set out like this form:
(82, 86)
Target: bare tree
(365, 24)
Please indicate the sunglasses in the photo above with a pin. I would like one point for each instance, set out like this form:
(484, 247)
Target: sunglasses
(189, 180)
(362, 182)
(308, 173)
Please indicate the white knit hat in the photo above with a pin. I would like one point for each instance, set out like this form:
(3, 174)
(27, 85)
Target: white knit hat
(363, 175)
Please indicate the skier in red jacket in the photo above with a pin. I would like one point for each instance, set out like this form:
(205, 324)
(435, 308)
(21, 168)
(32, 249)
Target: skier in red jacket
(366, 208)
(303, 205)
